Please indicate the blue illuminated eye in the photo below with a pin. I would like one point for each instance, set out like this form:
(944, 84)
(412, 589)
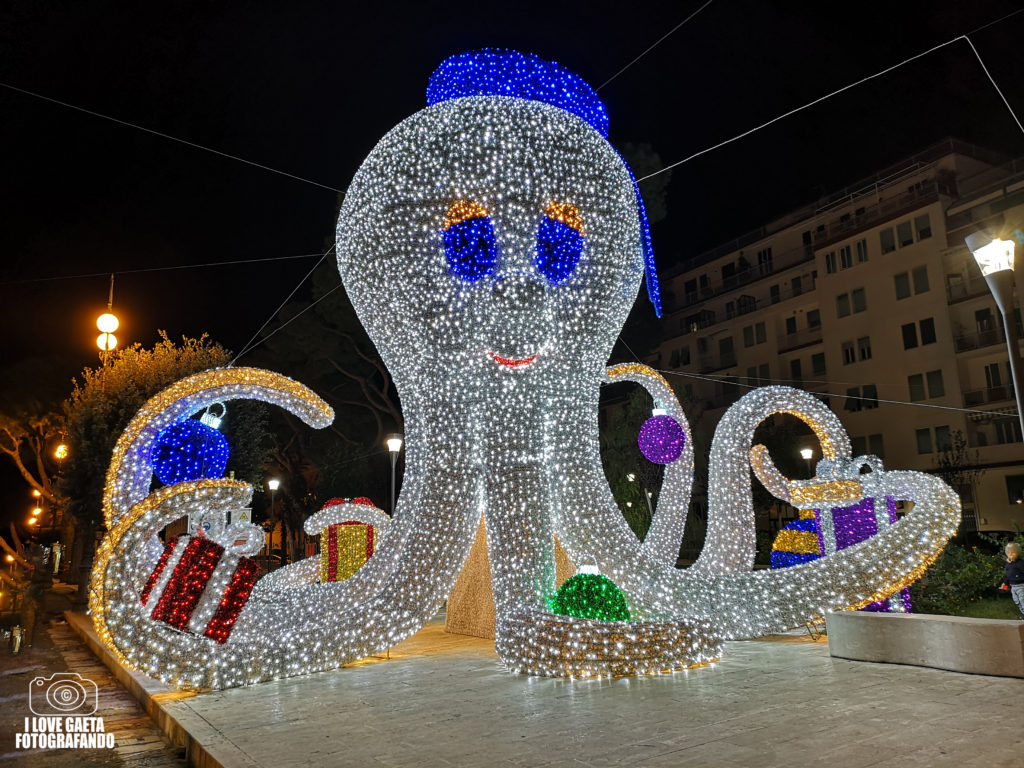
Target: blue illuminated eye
(469, 242)
(559, 242)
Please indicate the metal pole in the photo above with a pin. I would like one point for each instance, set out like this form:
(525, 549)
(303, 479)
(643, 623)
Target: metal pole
(394, 461)
(270, 546)
(1001, 285)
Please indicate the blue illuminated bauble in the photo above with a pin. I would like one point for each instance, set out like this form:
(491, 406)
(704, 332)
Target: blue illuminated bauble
(189, 450)
(471, 248)
(558, 250)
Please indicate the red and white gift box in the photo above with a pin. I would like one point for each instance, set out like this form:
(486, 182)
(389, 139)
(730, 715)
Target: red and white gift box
(200, 585)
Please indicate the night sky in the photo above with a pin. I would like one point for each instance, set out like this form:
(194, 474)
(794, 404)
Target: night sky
(309, 88)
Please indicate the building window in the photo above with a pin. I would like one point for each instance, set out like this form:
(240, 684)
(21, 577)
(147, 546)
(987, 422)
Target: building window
(870, 396)
(943, 442)
(860, 299)
(864, 347)
(849, 356)
(935, 385)
(862, 251)
(690, 291)
(860, 445)
(924, 440)
(684, 355)
(902, 281)
(923, 225)
(842, 305)
(818, 363)
(798, 285)
(814, 318)
(795, 370)
(920, 275)
(1007, 431)
(887, 240)
(1015, 488)
(830, 262)
(730, 309)
(845, 257)
(773, 293)
(764, 260)
(754, 334)
(909, 335)
(904, 234)
(916, 385)
(853, 401)
(790, 326)
(927, 331)
(752, 376)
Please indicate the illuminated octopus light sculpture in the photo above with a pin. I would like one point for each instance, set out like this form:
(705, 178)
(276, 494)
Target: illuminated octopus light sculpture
(492, 245)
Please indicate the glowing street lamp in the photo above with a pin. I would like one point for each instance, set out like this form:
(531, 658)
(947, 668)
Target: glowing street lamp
(996, 262)
(807, 454)
(60, 452)
(107, 323)
(394, 443)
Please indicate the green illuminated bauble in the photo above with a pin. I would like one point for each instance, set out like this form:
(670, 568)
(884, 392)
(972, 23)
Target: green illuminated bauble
(590, 596)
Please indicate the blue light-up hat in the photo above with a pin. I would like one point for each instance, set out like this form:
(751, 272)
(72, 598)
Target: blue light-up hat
(492, 72)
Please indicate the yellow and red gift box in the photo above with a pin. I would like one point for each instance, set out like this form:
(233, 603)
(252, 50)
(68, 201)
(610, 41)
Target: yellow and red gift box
(350, 530)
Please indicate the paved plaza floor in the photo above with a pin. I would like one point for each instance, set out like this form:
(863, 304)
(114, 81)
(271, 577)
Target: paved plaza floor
(445, 700)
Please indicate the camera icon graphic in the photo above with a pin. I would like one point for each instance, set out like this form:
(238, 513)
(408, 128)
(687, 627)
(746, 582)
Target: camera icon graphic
(63, 693)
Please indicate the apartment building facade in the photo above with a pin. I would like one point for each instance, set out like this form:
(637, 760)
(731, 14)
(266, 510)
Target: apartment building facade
(871, 298)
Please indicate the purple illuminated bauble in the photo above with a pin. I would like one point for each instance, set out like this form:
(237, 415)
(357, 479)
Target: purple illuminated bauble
(661, 439)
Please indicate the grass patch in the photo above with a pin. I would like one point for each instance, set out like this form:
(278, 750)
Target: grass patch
(991, 608)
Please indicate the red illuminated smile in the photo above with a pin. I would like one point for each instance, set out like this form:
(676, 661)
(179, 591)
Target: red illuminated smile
(510, 362)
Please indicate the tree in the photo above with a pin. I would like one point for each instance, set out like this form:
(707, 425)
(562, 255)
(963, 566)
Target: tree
(325, 346)
(105, 399)
(959, 467)
(31, 423)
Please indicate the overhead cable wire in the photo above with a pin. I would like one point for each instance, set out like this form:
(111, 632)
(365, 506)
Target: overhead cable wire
(287, 322)
(845, 88)
(162, 135)
(273, 314)
(105, 273)
(655, 45)
(719, 380)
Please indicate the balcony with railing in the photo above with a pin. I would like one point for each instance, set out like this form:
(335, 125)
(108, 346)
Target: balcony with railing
(750, 274)
(790, 341)
(710, 362)
(979, 339)
(689, 321)
(969, 289)
(976, 397)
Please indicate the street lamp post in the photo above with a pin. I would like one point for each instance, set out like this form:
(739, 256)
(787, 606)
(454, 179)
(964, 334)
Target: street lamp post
(996, 262)
(106, 324)
(647, 494)
(394, 444)
(273, 484)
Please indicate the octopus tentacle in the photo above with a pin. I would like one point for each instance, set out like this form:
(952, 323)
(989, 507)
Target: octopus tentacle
(290, 626)
(665, 533)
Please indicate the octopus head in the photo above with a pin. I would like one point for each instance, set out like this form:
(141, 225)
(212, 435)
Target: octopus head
(492, 230)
